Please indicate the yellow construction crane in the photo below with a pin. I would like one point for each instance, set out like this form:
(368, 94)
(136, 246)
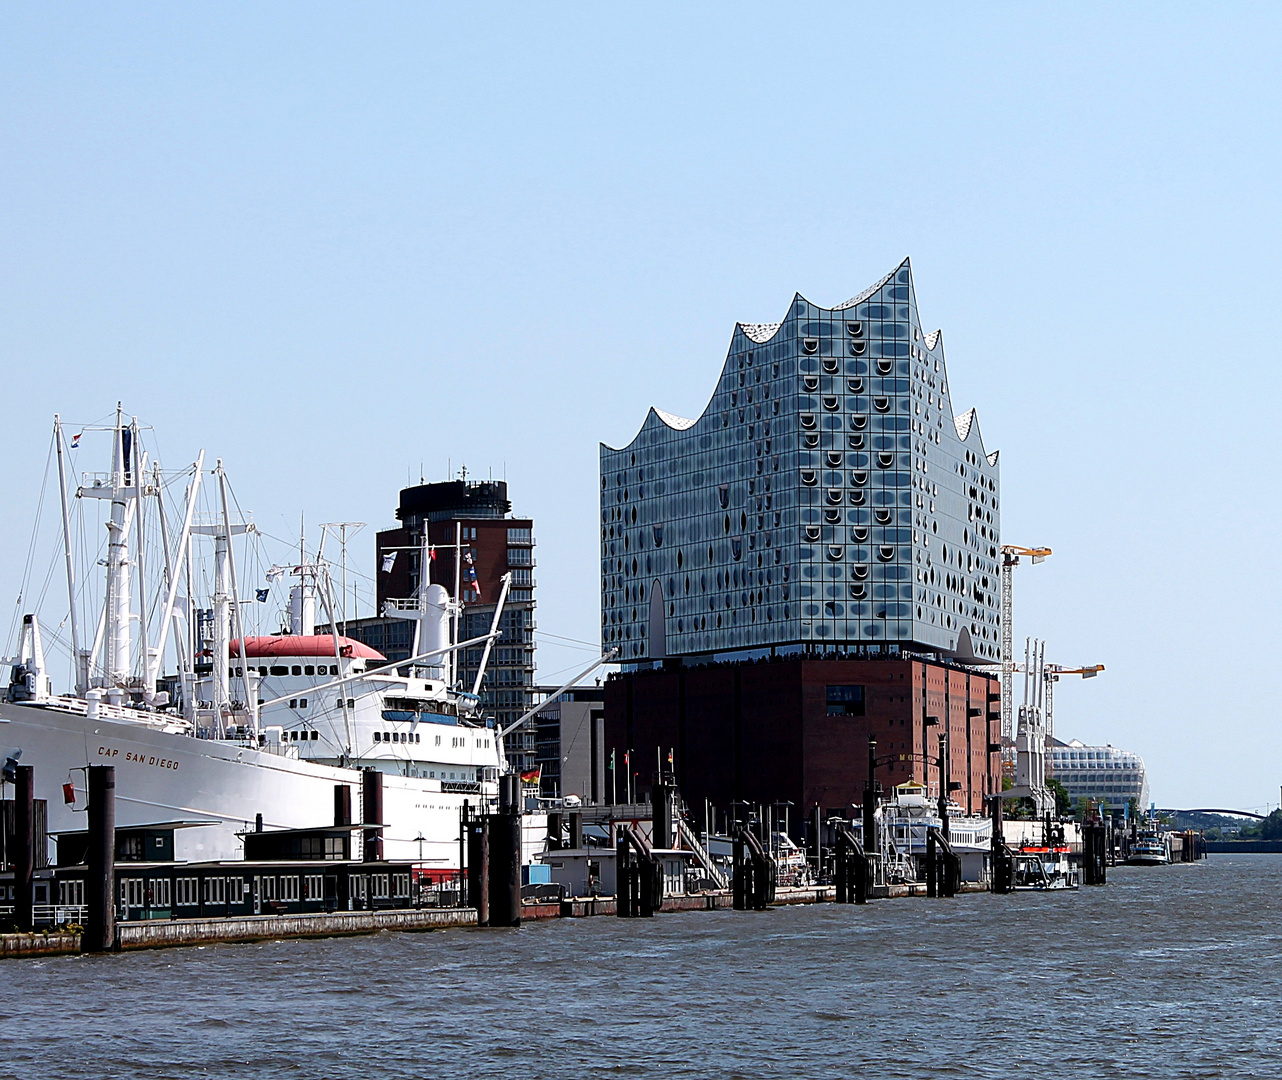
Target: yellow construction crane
(1011, 554)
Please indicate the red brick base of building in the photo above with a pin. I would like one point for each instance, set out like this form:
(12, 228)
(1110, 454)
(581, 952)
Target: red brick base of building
(796, 729)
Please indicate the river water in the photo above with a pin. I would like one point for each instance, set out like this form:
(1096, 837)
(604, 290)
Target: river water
(1167, 972)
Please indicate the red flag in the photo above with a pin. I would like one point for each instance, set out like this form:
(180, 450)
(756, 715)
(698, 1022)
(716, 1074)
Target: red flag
(69, 794)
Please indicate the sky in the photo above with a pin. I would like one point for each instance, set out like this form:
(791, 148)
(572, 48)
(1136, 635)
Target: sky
(343, 246)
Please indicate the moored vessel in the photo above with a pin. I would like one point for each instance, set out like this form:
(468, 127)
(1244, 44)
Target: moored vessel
(248, 729)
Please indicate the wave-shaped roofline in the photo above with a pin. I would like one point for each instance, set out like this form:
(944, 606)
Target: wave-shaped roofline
(760, 333)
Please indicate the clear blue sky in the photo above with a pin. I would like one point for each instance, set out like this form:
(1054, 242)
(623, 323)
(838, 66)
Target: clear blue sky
(332, 242)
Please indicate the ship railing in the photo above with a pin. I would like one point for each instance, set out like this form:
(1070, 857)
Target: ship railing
(462, 787)
(410, 604)
(108, 711)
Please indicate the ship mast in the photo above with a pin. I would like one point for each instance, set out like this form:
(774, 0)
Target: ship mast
(78, 658)
(225, 598)
(115, 631)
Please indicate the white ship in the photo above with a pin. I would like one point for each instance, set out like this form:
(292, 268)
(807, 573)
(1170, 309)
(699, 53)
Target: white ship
(252, 724)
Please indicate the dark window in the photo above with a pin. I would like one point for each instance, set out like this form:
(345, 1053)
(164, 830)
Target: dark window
(279, 670)
(845, 701)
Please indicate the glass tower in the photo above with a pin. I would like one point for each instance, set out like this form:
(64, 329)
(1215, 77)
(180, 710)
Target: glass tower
(827, 499)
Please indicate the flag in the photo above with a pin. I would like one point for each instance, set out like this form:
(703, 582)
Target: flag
(69, 794)
(262, 595)
(669, 759)
(274, 573)
(532, 776)
(473, 584)
(612, 761)
(431, 553)
(389, 560)
(75, 441)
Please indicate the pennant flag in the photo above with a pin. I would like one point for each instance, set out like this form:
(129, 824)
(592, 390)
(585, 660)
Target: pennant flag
(262, 595)
(389, 560)
(75, 441)
(69, 794)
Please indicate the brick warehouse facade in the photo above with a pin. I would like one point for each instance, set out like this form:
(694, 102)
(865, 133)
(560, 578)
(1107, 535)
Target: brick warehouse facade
(796, 729)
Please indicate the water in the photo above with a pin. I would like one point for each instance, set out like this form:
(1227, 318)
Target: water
(1167, 972)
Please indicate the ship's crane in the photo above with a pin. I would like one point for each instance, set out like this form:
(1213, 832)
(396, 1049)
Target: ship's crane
(1011, 554)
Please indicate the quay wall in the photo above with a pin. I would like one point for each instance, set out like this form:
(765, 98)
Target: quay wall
(56, 944)
(161, 933)
(1249, 847)
(166, 933)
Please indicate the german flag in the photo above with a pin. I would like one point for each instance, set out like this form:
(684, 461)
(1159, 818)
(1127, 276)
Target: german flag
(531, 777)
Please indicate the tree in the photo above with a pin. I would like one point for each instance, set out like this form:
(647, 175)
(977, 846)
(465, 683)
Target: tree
(1271, 826)
(1062, 801)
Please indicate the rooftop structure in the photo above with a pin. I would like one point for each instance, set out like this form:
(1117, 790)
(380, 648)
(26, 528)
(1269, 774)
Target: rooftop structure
(827, 498)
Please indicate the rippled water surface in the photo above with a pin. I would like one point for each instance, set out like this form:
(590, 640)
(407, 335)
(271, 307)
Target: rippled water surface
(1166, 972)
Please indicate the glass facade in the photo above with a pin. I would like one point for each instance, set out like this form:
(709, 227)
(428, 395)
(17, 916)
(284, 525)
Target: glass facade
(827, 498)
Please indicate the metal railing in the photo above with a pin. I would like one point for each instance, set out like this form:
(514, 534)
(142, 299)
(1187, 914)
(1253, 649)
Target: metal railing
(53, 914)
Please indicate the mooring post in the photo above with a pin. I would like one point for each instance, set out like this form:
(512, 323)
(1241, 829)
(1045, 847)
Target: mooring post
(870, 802)
(741, 882)
(372, 813)
(841, 869)
(478, 867)
(100, 889)
(932, 877)
(817, 842)
(464, 827)
(24, 858)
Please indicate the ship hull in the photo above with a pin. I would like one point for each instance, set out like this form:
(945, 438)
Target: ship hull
(168, 777)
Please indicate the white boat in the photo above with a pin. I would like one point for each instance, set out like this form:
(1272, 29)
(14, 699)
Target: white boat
(1149, 851)
(251, 725)
(903, 823)
(1045, 868)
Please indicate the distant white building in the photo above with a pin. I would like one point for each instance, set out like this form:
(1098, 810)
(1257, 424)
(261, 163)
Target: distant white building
(1103, 773)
